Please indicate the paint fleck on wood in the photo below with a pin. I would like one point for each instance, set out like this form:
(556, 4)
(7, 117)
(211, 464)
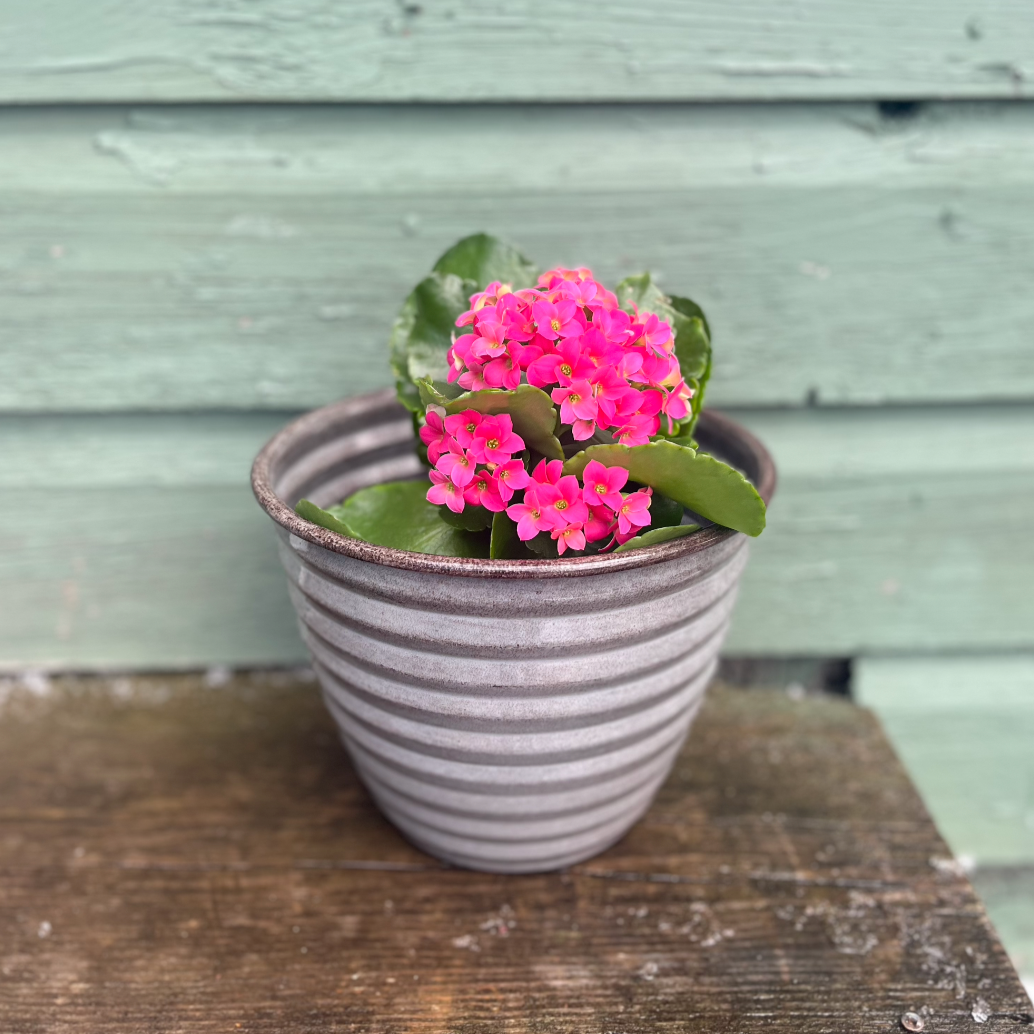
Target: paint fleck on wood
(178, 856)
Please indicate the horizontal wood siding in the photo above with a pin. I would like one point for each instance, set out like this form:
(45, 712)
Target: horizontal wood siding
(62, 50)
(135, 541)
(249, 258)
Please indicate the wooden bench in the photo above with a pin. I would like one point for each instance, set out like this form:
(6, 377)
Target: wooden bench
(178, 856)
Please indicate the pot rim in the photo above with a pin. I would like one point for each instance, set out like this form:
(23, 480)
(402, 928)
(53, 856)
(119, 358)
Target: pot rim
(283, 443)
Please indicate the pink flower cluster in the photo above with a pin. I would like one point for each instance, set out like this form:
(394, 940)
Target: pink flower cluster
(605, 367)
(473, 458)
(576, 514)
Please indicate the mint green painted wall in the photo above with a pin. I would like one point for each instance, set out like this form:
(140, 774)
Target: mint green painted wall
(254, 257)
(57, 50)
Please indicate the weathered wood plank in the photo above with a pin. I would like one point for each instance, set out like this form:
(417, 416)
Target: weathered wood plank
(964, 727)
(57, 50)
(255, 257)
(134, 540)
(181, 859)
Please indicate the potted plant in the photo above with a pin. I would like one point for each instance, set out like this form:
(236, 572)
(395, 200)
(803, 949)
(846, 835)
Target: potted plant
(515, 571)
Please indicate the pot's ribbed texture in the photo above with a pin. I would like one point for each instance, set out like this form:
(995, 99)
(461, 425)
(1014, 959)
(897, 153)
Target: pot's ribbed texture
(506, 716)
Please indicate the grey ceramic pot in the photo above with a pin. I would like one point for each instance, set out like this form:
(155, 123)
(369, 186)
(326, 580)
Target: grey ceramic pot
(506, 715)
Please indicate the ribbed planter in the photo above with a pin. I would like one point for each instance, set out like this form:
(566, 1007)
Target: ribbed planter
(506, 715)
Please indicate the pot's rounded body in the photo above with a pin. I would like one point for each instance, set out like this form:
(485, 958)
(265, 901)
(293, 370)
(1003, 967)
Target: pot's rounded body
(507, 716)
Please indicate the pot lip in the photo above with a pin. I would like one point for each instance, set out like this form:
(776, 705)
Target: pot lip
(471, 567)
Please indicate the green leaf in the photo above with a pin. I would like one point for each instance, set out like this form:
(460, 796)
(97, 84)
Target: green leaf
(422, 333)
(470, 518)
(640, 289)
(656, 536)
(399, 516)
(505, 543)
(531, 410)
(706, 485)
(665, 512)
(483, 258)
(324, 518)
(544, 545)
(692, 338)
(430, 395)
(422, 336)
(693, 347)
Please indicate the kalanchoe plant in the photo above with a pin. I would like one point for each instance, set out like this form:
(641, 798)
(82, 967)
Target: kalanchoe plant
(556, 416)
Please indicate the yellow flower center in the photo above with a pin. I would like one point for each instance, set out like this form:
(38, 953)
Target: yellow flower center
(561, 504)
(492, 443)
(555, 324)
(565, 370)
(601, 489)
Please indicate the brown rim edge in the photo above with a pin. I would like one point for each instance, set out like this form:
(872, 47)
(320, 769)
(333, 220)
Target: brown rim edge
(473, 567)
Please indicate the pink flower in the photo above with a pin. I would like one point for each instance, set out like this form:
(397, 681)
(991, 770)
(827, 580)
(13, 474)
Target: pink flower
(484, 491)
(650, 402)
(529, 517)
(557, 319)
(637, 429)
(657, 335)
(657, 370)
(490, 340)
(581, 292)
(457, 465)
(553, 278)
(462, 426)
(613, 323)
(634, 513)
(519, 324)
(600, 524)
(548, 472)
(510, 477)
(569, 337)
(494, 440)
(433, 435)
(561, 366)
(488, 296)
(577, 407)
(505, 371)
(562, 503)
(675, 405)
(472, 378)
(614, 397)
(459, 356)
(444, 492)
(631, 363)
(527, 354)
(603, 484)
(571, 537)
(598, 350)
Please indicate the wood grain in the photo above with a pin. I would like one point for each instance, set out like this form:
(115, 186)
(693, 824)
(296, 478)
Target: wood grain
(254, 257)
(135, 540)
(181, 859)
(57, 50)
